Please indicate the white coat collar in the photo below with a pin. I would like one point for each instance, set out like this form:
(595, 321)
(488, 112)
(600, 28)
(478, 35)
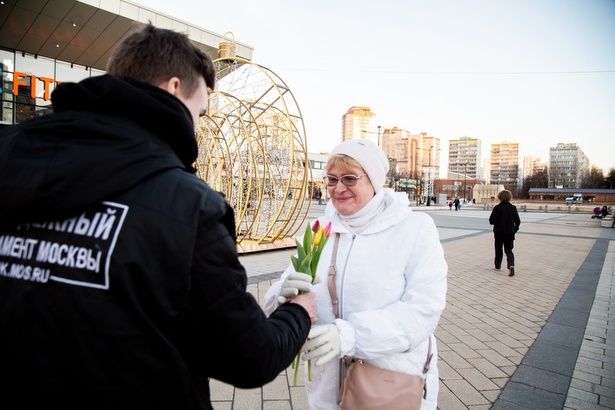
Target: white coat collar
(397, 207)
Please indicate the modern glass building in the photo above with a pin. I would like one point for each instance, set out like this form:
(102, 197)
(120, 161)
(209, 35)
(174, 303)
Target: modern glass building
(46, 42)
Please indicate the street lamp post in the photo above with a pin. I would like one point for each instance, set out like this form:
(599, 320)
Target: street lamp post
(379, 127)
(429, 178)
(465, 174)
(418, 190)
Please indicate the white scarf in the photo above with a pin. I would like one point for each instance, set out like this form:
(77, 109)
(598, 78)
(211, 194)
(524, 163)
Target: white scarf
(358, 221)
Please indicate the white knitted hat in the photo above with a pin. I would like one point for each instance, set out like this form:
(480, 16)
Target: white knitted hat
(371, 158)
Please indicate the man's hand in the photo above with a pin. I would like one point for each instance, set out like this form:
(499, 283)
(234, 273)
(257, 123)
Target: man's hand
(323, 344)
(294, 284)
(308, 301)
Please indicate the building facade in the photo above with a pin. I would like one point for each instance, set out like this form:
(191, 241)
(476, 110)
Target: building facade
(486, 193)
(404, 148)
(357, 123)
(505, 165)
(318, 162)
(456, 188)
(413, 153)
(531, 165)
(568, 165)
(591, 196)
(43, 43)
(416, 159)
(464, 158)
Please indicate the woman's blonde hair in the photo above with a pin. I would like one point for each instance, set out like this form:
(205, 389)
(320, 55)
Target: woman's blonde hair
(505, 196)
(343, 161)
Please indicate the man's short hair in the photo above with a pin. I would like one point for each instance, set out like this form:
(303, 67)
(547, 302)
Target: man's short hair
(505, 196)
(154, 55)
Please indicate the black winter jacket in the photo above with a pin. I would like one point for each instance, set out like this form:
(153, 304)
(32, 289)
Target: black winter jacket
(505, 219)
(120, 284)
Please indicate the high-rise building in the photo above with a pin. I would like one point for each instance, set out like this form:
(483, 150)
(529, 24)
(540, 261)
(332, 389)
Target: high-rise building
(404, 149)
(464, 158)
(414, 154)
(357, 123)
(505, 165)
(415, 157)
(531, 165)
(568, 165)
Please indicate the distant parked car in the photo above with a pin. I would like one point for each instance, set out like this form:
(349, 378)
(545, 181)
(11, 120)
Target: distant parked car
(574, 200)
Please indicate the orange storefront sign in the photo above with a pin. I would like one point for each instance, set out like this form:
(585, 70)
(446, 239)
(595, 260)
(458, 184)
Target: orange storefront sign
(23, 79)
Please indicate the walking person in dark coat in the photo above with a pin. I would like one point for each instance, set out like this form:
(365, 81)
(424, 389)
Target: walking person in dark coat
(120, 283)
(505, 220)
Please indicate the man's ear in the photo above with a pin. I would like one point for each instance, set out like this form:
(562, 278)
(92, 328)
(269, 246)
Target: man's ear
(171, 85)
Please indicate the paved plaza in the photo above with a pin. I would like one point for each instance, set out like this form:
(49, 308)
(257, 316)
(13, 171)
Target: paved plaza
(541, 339)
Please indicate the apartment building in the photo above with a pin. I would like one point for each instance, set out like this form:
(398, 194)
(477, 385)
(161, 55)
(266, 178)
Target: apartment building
(505, 165)
(416, 158)
(568, 165)
(464, 158)
(531, 165)
(414, 154)
(404, 148)
(357, 123)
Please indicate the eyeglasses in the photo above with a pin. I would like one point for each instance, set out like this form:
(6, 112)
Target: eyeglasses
(347, 180)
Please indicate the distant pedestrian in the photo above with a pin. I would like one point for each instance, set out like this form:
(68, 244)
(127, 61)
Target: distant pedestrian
(456, 202)
(505, 220)
(450, 205)
(604, 211)
(319, 196)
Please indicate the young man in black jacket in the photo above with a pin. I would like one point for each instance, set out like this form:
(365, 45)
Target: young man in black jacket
(120, 284)
(505, 220)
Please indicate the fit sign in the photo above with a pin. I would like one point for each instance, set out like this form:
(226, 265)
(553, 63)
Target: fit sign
(21, 79)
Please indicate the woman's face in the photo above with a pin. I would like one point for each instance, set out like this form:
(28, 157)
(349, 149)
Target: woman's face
(349, 199)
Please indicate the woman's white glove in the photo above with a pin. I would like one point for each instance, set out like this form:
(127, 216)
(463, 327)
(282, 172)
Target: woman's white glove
(294, 284)
(323, 344)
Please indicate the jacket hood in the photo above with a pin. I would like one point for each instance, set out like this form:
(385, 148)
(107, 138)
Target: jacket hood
(151, 107)
(106, 135)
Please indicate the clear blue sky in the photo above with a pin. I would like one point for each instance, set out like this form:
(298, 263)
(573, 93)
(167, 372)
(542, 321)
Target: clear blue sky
(537, 72)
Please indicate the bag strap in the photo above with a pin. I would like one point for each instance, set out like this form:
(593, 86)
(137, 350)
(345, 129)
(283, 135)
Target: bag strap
(335, 303)
(331, 278)
(429, 356)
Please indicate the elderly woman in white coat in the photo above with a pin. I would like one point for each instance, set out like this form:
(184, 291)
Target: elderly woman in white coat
(391, 278)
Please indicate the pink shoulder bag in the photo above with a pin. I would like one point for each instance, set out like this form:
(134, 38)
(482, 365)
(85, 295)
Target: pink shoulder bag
(366, 387)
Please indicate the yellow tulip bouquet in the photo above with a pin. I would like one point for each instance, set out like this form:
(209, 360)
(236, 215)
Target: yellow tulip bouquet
(306, 261)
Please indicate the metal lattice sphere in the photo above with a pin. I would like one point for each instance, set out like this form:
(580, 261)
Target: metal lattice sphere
(252, 148)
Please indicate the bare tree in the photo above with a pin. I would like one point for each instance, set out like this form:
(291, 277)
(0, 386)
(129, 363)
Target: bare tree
(609, 181)
(392, 175)
(539, 179)
(593, 179)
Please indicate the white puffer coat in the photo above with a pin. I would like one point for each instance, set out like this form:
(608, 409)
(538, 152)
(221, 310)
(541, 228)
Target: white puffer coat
(391, 284)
